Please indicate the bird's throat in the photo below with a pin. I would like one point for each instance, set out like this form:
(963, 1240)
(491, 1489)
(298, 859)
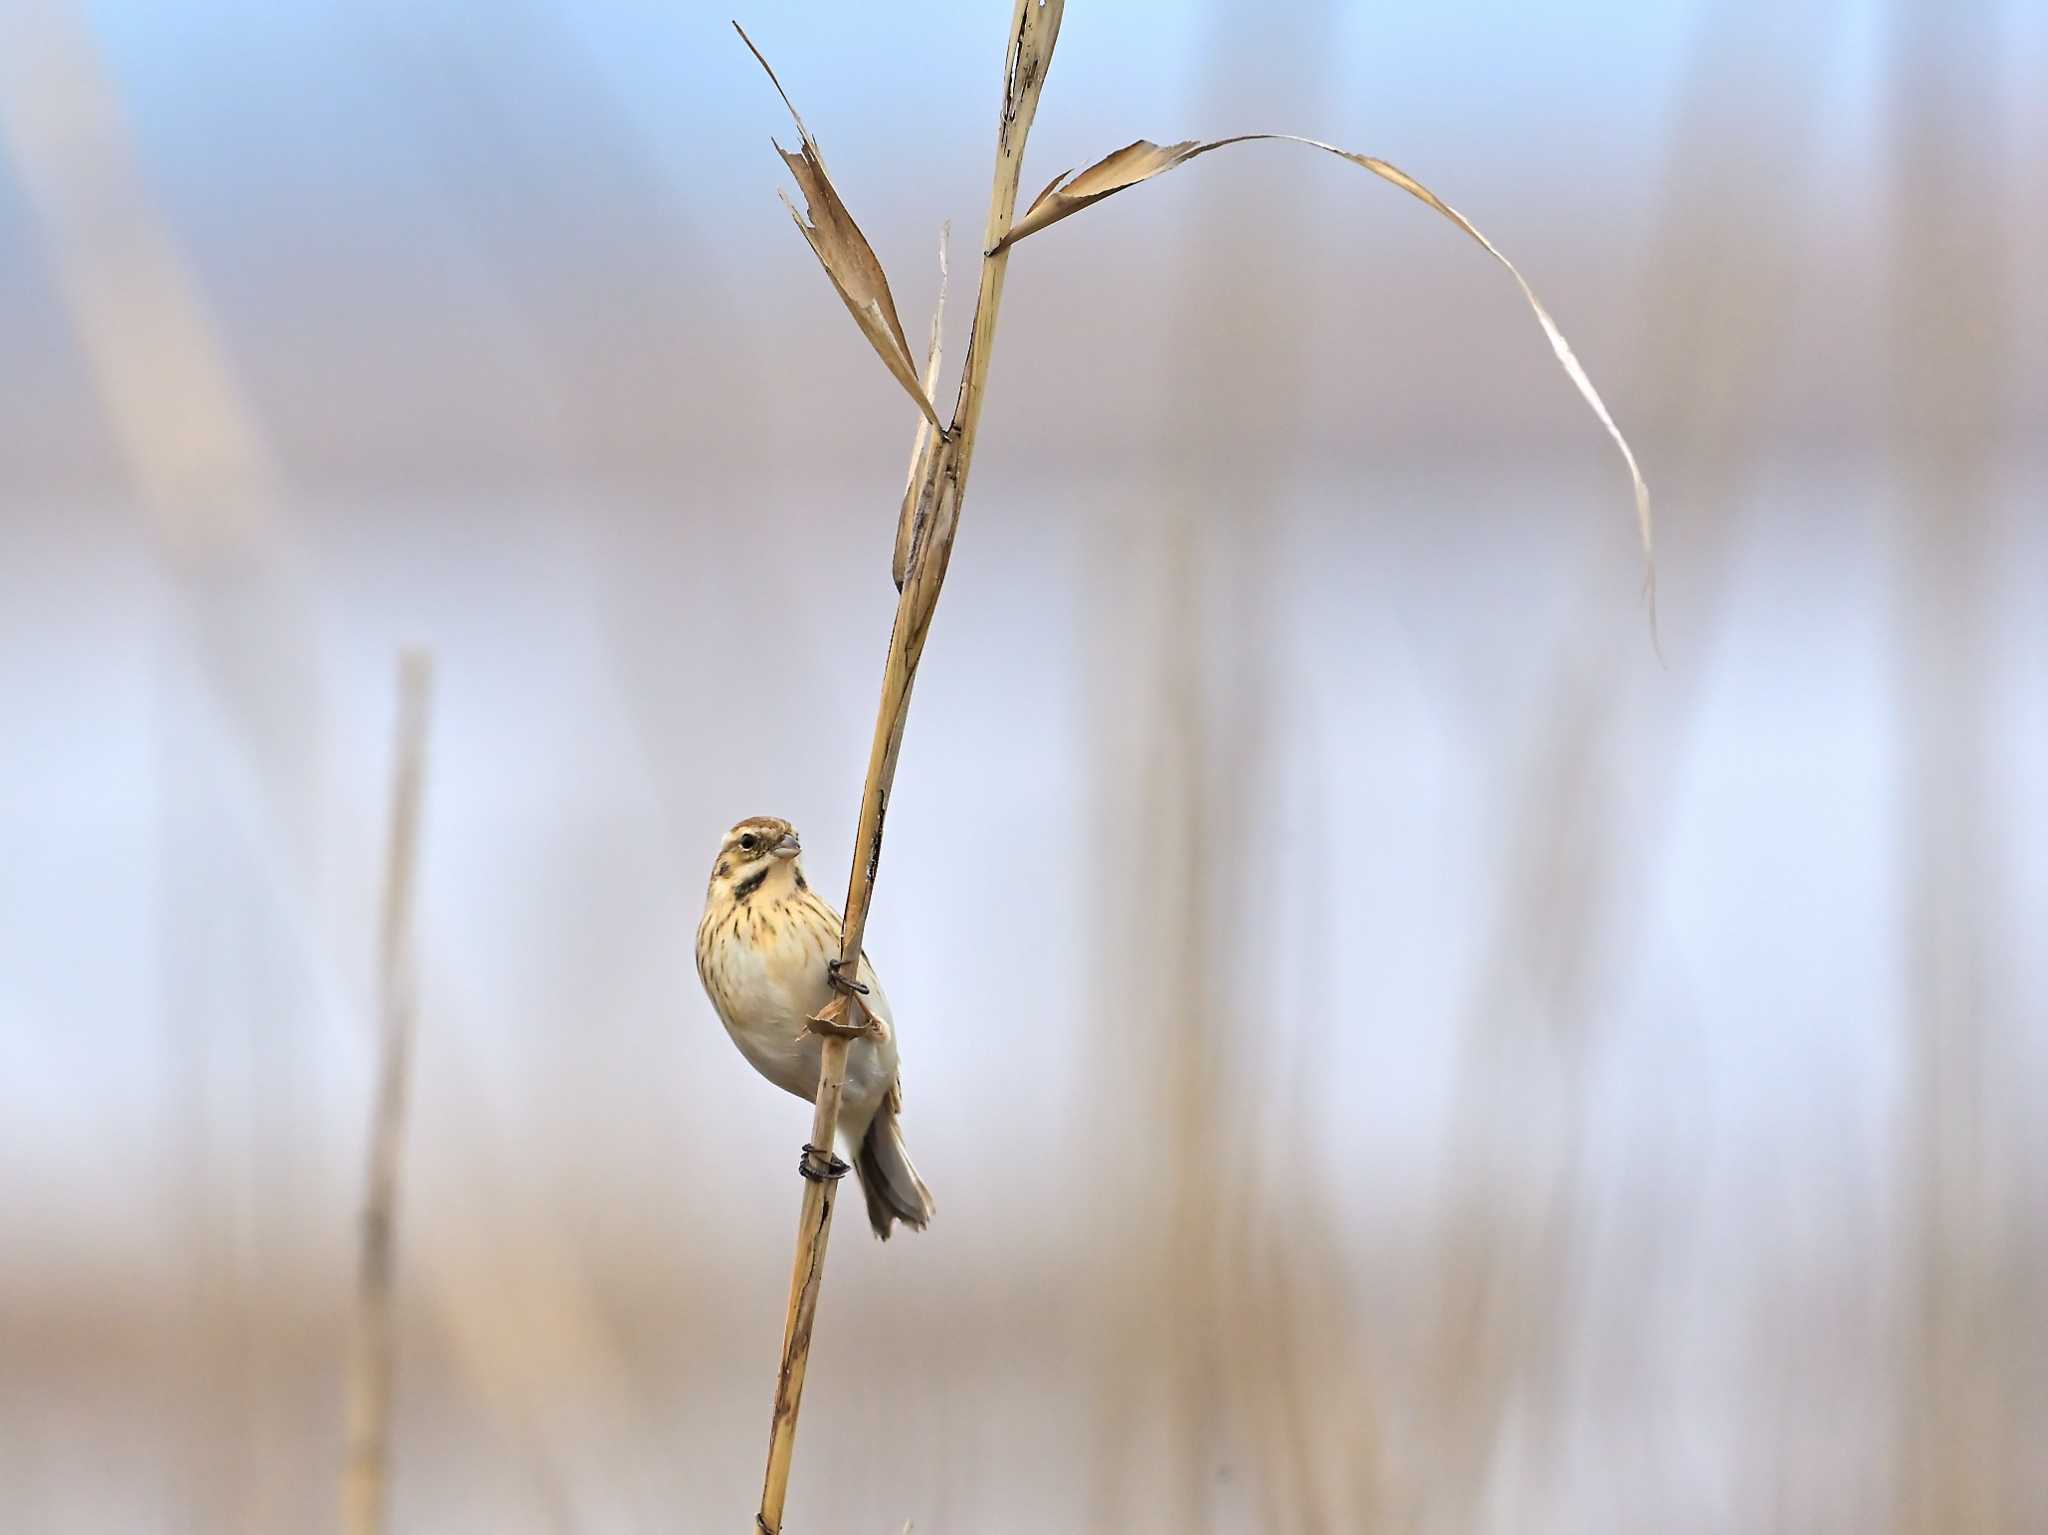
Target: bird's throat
(777, 878)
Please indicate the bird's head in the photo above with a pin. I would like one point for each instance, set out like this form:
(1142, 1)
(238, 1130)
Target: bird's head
(758, 851)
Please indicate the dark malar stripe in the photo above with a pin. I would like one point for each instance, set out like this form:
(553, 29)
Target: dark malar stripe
(749, 885)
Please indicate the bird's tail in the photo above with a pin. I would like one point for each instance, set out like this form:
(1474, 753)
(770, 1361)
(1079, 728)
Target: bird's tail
(890, 1183)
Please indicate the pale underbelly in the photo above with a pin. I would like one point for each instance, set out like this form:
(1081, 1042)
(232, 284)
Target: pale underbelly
(792, 1065)
(767, 998)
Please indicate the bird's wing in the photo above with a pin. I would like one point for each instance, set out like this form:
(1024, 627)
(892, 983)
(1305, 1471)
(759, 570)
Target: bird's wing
(878, 1004)
(876, 1000)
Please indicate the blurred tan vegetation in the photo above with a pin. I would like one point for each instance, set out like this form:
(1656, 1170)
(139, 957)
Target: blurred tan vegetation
(1467, 1075)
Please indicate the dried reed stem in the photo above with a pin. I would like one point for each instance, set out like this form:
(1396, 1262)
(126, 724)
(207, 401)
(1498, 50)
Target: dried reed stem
(930, 518)
(363, 1488)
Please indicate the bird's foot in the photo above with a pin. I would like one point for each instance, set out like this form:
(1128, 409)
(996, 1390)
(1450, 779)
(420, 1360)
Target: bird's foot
(820, 1166)
(842, 983)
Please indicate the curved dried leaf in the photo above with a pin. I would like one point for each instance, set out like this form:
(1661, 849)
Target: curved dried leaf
(1126, 167)
(843, 251)
(1143, 160)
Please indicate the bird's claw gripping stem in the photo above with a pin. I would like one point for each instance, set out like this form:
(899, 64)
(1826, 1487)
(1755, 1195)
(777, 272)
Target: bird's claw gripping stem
(840, 982)
(820, 1166)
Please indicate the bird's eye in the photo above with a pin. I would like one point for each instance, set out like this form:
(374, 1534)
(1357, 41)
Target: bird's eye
(748, 841)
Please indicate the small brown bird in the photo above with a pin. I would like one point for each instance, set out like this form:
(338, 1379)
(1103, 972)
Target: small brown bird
(763, 949)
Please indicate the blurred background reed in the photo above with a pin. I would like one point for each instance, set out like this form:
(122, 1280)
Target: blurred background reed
(1463, 1077)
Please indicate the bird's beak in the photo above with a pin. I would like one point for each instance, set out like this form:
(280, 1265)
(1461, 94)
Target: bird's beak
(788, 847)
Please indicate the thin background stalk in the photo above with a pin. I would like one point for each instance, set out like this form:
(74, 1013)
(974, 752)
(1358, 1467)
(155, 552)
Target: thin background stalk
(364, 1491)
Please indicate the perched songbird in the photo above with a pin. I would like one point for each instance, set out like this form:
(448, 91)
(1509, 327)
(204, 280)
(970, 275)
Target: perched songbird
(764, 950)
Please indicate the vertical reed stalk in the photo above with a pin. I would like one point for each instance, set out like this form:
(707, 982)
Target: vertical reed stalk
(364, 1496)
(929, 521)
